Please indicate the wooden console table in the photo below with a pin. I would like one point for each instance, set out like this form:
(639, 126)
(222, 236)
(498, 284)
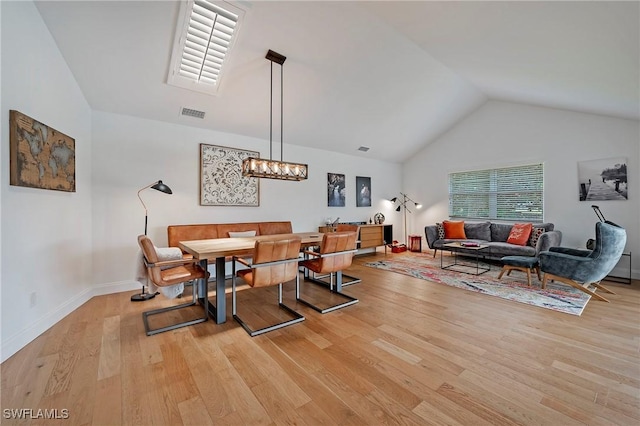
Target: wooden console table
(371, 236)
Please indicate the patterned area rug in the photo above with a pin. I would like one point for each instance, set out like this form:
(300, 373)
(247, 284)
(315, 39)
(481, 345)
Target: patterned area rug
(558, 297)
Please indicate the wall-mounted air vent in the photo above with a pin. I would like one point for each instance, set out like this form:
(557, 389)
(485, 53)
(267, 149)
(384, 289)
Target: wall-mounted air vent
(189, 112)
(363, 148)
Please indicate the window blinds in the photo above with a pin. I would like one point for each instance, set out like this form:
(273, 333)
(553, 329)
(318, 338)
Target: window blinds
(510, 193)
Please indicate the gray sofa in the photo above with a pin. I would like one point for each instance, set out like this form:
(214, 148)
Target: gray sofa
(495, 235)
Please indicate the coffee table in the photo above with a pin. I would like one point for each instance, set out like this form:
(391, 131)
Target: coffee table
(475, 251)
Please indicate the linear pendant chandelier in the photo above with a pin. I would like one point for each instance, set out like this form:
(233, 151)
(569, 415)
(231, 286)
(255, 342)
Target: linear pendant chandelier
(274, 169)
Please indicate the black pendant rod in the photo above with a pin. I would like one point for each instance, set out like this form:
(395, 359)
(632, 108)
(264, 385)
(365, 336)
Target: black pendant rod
(281, 112)
(271, 116)
(279, 59)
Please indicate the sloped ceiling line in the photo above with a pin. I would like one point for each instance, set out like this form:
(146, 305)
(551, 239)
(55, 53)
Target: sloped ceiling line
(389, 75)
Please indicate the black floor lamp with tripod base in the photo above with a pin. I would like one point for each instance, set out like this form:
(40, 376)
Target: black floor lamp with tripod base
(158, 186)
(403, 201)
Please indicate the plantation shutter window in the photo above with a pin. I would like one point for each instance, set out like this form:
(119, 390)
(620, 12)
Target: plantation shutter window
(208, 29)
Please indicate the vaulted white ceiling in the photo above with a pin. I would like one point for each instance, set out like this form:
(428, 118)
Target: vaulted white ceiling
(388, 75)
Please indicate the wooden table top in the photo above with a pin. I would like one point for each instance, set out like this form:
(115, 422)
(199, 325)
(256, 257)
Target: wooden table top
(222, 247)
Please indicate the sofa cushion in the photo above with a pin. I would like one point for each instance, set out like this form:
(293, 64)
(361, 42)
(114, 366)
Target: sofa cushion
(271, 228)
(519, 234)
(546, 226)
(536, 231)
(478, 231)
(242, 234)
(224, 228)
(177, 233)
(500, 231)
(440, 229)
(506, 249)
(454, 230)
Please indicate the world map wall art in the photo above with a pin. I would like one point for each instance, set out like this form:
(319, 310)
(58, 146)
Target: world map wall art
(40, 157)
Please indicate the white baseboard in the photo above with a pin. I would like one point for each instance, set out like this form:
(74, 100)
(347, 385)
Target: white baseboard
(26, 335)
(117, 287)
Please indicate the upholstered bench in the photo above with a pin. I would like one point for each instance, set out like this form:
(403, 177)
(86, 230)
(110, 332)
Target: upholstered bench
(520, 263)
(177, 233)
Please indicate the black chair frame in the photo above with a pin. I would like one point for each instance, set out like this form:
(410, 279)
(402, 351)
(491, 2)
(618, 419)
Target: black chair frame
(297, 317)
(338, 285)
(204, 301)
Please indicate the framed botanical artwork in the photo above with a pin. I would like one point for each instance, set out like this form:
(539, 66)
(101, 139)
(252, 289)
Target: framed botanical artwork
(336, 190)
(221, 180)
(40, 156)
(603, 179)
(363, 191)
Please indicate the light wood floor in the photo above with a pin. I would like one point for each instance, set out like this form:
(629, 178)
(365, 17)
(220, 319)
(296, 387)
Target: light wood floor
(411, 352)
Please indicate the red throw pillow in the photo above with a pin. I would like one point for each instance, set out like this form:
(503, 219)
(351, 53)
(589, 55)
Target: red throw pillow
(519, 234)
(453, 230)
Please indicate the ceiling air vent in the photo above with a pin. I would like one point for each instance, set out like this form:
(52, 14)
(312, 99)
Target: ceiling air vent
(192, 113)
(363, 148)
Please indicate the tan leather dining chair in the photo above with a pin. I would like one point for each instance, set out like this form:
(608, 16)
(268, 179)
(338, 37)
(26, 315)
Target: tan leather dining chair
(167, 273)
(274, 263)
(346, 278)
(335, 254)
(347, 227)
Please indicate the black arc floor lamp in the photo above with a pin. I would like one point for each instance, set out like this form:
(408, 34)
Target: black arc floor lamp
(402, 203)
(158, 186)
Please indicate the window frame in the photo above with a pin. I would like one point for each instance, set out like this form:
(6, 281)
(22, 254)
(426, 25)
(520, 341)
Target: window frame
(175, 77)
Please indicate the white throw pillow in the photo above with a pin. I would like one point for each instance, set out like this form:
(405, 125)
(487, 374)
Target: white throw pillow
(170, 291)
(242, 234)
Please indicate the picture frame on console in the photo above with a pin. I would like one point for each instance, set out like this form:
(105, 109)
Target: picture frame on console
(221, 179)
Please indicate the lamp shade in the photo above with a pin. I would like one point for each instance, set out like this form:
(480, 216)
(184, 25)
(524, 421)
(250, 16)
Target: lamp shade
(159, 186)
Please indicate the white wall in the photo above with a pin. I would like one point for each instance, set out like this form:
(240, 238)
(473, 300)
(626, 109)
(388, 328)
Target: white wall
(46, 235)
(505, 134)
(130, 153)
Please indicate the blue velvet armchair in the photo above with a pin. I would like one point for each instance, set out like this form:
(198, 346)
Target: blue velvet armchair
(584, 268)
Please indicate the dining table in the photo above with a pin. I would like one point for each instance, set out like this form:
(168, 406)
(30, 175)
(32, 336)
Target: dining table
(220, 249)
